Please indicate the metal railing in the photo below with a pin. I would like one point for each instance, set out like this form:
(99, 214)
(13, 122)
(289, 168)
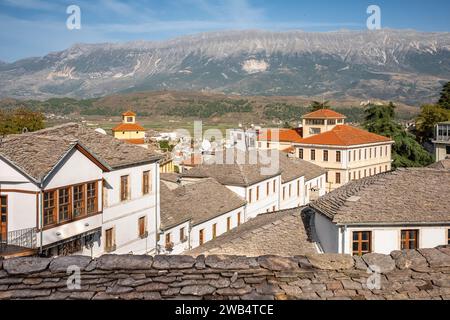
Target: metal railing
(25, 238)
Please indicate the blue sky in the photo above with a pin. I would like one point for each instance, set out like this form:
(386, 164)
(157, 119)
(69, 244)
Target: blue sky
(37, 27)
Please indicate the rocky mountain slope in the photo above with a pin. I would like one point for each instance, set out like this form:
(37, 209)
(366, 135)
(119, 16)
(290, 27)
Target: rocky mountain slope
(404, 66)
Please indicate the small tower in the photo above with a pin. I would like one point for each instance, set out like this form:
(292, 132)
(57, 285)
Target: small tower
(129, 130)
(321, 121)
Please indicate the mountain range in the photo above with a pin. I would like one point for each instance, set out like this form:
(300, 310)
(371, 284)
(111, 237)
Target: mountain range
(400, 65)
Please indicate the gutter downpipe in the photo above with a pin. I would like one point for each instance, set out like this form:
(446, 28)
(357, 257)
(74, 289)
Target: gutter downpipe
(343, 230)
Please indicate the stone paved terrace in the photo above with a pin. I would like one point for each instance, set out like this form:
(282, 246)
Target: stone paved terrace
(421, 274)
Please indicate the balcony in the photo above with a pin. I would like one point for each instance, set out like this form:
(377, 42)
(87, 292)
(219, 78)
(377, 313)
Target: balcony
(18, 243)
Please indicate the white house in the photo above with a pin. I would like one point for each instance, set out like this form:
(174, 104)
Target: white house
(403, 209)
(196, 213)
(72, 190)
(250, 181)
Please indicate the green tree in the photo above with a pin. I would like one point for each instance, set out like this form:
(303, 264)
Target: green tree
(316, 105)
(20, 120)
(444, 101)
(426, 121)
(406, 152)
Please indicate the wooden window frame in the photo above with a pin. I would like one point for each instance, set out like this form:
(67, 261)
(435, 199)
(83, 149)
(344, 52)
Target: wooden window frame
(82, 201)
(274, 186)
(142, 227)
(110, 246)
(124, 188)
(54, 208)
(257, 193)
(239, 218)
(338, 157)
(360, 243)
(4, 224)
(146, 182)
(183, 234)
(268, 189)
(93, 198)
(313, 155)
(228, 224)
(325, 155)
(405, 242)
(201, 237)
(214, 230)
(338, 178)
(67, 204)
(298, 188)
(250, 195)
(300, 153)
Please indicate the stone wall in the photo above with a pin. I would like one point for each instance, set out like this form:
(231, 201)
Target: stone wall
(422, 274)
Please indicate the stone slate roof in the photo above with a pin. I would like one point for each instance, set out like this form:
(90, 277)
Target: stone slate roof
(441, 165)
(293, 168)
(415, 195)
(115, 153)
(34, 155)
(281, 233)
(197, 202)
(240, 173)
(170, 177)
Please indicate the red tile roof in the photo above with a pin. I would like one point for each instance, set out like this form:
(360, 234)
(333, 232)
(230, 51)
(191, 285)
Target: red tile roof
(324, 114)
(128, 127)
(285, 135)
(343, 135)
(129, 114)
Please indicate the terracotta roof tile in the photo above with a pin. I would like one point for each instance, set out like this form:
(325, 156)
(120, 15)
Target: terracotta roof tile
(128, 127)
(343, 135)
(284, 135)
(324, 114)
(129, 114)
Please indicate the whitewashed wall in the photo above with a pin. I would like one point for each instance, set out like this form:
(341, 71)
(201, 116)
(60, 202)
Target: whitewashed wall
(123, 217)
(297, 197)
(179, 245)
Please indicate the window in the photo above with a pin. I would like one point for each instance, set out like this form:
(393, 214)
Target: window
(257, 193)
(331, 122)
(326, 177)
(349, 176)
(338, 156)
(146, 182)
(370, 153)
(267, 188)
(201, 237)
(141, 226)
(214, 230)
(410, 239)
(448, 236)
(325, 155)
(362, 242)
(365, 154)
(313, 155)
(182, 235)
(109, 240)
(338, 178)
(130, 119)
(124, 188)
(365, 173)
(447, 149)
(228, 223)
(300, 153)
(92, 199)
(375, 170)
(78, 201)
(290, 190)
(64, 204)
(360, 153)
(284, 193)
(274, 186)
(354, 155)
(375, 152)
(386, 151)
(250, 196)
(49, 208)
(239, 218)
(104, 194)
(3, 217)
(349, 156)
(315, 122)
(298, 188)
(168, 239)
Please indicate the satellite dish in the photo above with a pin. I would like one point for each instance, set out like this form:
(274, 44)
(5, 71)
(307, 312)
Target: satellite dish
(206, 145)
(100, 130)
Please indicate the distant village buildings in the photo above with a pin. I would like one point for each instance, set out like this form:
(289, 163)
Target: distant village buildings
(129, 130)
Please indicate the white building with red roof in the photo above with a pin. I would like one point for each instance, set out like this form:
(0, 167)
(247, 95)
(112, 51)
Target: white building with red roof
(348, 153)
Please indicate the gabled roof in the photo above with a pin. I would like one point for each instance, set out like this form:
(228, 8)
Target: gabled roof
(240, 172)
(135, 141)
(324, 114)
(293, 168)
(441, 165)
(128, 127)
(114, 152)
(282, 233)
(129, 114)
(196, 202)
(284, 135)
(405, 196)
(343, 135)
(37, 156)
